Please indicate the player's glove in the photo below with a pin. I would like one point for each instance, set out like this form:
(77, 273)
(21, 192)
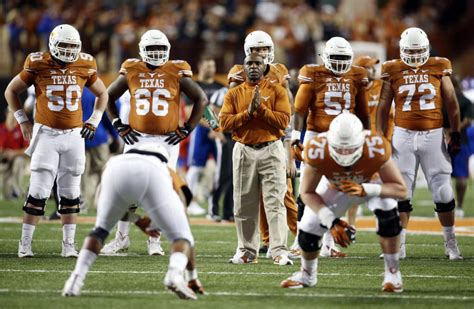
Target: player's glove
(126, 132)
(179, 134)
(454, 144)
(88, 131)
(143, 224)
(297, 151)
(342, 232)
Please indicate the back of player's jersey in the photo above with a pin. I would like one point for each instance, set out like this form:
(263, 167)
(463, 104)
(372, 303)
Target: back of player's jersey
(59, 88)
(376, 152)
(276, 73)
(325, 95)
(417, 92)
(155, 95)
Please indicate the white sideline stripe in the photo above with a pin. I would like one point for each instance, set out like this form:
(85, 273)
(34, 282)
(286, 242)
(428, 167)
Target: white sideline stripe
(219, 273)
(225, 293)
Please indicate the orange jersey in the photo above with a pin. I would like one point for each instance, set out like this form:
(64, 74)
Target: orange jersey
(324, 95)
(59, 88)
(275, 73)
(417, 92)
(376, 152)
(154, 95)
(373, 97)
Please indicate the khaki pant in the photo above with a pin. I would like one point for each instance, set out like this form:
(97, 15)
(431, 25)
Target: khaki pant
(12, 177)
(254, 171)
(291, 214)
(95, 160)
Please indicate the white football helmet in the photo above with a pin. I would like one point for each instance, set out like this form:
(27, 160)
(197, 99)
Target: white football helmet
(337, 55)
(65, 43)
(346, 137)
(154, 38)
(260, 39)
(154, 147)
(414, 47)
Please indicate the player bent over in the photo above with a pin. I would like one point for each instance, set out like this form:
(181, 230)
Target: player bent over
(347, 157)
(132, 178)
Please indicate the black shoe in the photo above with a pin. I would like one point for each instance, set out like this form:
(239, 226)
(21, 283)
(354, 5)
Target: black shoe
(263, 249)
(54, 216)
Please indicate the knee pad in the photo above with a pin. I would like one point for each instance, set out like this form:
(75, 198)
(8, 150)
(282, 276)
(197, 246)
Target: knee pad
(445, 207)
(388, 223)
(69, 206)
(301, 206)
(309, 242)
(36, 202)
(443, 194)
(100, 234)
(405, 206)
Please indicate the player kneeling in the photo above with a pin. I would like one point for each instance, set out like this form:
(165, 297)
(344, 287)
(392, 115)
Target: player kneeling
(347, 157)
(142, 177)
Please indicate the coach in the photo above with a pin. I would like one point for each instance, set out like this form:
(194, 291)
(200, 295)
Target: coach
(257, 112)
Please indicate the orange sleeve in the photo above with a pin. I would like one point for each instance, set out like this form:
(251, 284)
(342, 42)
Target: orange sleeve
(184, 69)
(92, 73)
(446, 68)
(280, 116)
(28, 74)
(229, 118)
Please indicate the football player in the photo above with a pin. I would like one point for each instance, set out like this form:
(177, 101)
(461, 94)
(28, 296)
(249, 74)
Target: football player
(131, 178)
(420, 85)
(325, 91)
(262, 43)
(339, 166)
(56, 144)
(155, 84)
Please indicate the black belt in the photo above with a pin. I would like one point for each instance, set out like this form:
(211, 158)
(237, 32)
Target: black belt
(149, 153)
(261, 145)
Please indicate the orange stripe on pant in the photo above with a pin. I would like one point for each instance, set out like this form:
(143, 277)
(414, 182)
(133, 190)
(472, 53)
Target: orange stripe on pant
(291, 214)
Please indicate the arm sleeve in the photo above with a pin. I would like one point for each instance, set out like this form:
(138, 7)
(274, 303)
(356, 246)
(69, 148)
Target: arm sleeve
(92, 73)
(280, 117)
(28, 74)
(229, 119)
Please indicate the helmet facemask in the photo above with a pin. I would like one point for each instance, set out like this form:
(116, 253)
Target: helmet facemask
(338, 64)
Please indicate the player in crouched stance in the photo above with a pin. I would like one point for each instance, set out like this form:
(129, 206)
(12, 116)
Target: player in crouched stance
(347, 157)
(132, 178)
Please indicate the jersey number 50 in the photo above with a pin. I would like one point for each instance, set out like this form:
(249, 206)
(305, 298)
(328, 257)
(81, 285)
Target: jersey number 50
(159, 107)
(56, 102)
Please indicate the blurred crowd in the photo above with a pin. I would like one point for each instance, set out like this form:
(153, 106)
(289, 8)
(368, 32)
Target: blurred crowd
(110, 29)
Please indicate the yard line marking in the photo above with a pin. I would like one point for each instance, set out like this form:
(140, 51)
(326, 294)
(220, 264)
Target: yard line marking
(254, 294)
(219, 273)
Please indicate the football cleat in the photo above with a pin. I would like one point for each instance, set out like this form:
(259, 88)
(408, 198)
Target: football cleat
(174, 281)
(268, 255)
(195, 210)
(73, 286)
(196, 286)
(333, 252)
(451, 249)
(118, 245)
(392, 282)
(154, 246)
(300, 279)
(240, 258)
(294, 254)
(282, 260)
(24, 249)
(69, 249)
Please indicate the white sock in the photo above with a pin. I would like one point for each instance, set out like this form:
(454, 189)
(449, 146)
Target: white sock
(154, 239)
(27, 232)
(123, 227)
(192, 274)
(310, 266)
(84, 262)
(69, 233)
(328, 240)
(448, 232)
(403, 236)
(178, 260)
(392, 263)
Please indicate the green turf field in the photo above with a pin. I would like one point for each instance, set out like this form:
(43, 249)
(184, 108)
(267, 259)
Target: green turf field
(136, 280)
